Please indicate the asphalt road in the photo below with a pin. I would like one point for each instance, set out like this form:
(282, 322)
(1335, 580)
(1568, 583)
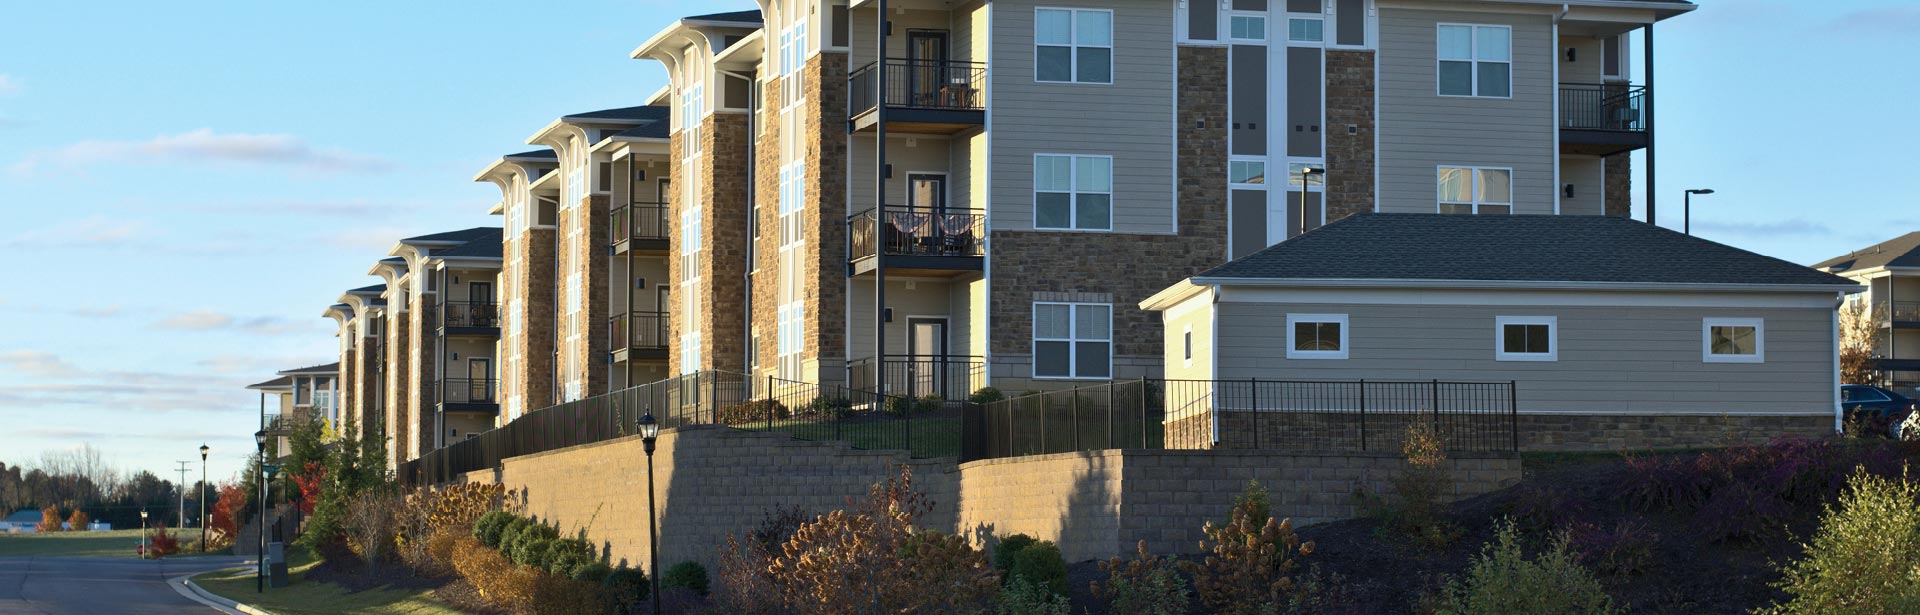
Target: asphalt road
(77, 585)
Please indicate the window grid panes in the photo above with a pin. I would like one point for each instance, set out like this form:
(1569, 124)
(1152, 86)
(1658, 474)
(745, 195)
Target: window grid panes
(1306, 30)
(1316, 336)
(1475, 60)
(1468, 190)
(1073, 192)
(1072, 340)
(1247, 172)
(1247, 27)
(1073, 45)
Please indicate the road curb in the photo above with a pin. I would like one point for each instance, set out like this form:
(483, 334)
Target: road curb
(198, 594)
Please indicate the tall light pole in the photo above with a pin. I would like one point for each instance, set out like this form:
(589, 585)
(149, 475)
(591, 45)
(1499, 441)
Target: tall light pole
(183, 493)
(143, 533)
(260, 571)
(1688, 208)
(203, 498)
(649, 432)
(1305, 177)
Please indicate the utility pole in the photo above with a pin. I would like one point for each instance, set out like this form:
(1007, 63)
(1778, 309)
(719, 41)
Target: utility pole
(183, 493)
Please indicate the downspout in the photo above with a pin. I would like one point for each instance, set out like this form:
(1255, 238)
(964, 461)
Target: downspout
(1651, 192)
(1213, 346)
(880, 209)
(626, 368)
(1839, 300)
(753, 249)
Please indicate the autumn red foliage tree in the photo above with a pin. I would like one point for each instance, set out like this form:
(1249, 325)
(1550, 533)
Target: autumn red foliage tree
(221, 526)
(162, 543)
(78, 521)
(49, 520)
(309, 481)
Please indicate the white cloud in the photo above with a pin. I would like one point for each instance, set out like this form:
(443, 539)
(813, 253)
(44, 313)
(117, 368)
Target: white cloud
(205, 145)
(88, 231)
(209, 320)
(9, 85)
(38, 363)
(377, 239)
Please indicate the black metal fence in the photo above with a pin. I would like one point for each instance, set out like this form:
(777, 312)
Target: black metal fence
(950, 377)
(639, 329)
(457, 314)
(468, 390)
(1603, 106)
(920, 84)
(1331, 416)
(639, 221)
(809, 411)
(918, 231)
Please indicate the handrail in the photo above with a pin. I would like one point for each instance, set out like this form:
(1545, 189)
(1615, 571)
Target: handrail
(639, 220)
(951, 85)
(1617, 107)
(919, 231)
(470, 314)
(645, 329)
(468, 390)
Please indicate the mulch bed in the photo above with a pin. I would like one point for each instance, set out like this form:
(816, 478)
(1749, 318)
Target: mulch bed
(351, 574)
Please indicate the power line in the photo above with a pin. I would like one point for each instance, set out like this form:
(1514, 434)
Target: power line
(182, 490)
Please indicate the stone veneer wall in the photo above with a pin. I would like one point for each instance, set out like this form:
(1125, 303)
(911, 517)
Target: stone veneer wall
(395, 423)
(1618, 179)
(530, 263)
(594, 216)
(369, 379)
(348, 379)
(1124, 269)
(712, 481)
(721, 294)
(1350, 155)
(1554, 432)
(425, 347)
(825, 266)
(765, 290)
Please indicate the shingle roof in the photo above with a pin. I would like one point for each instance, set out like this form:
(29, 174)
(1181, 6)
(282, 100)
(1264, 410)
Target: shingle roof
(333, 367)
(538, 153)
(364, 290)
(282, 382)
(1902, 251)
(482, 245)
(643, 113)
(649, 130)
(745, 17)
(24, 516)
(462, 235)
(1512, 249)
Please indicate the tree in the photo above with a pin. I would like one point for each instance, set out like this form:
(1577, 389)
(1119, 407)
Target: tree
(222, 525)
(78, 521)
(1860, 325)
(49, 520)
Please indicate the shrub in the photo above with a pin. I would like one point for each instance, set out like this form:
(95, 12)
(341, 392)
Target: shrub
(1254, 498)
(49, 520)
(1624, 550)
(777, 525)
(1009, 546)
(1024, 597)
(986, 395)
(557, 595)
(1545, 507)
(488, 527)
(1864, 558)
(1042, 565)
(1418, 487)
(1248, 568)
(901, 406)
(626, 587)
(1144, 585)
(831, 407)
(1318, 593)
(372, 525)
(745, 586)
(1501, 581)
(593, 573)
(78, 521)
(221, 529)
(440, 548)
(512, 533)
(495, 578)
(689, 575)
(756, 411)
(161, 543)
(531, 552)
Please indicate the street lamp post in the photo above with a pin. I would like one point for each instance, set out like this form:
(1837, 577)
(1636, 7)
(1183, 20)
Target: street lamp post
(143, 534)
(1688, 209)
(649, 433)
(203, 498)
(1306, 177)
(260, 571)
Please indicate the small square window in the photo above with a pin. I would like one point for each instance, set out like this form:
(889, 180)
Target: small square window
(1246, 27)
(1247, 172)
(1734, 340)
(1305, 30)
(1316, 336)
(1526, 338)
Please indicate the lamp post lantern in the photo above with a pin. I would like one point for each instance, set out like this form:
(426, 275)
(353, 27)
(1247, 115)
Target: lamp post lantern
(649, 433)
(1688, 209)
(203, 498)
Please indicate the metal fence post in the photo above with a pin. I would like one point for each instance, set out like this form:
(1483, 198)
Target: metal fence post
(770, 402)
(1363, 414)
(1073, 437)
(1436, 407)
(1110, 416)
(1143, 415)
(1253, 405)
(1513, 412)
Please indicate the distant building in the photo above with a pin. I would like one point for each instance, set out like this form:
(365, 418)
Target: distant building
(22, 522)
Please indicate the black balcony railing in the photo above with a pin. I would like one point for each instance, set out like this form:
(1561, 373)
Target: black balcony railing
(639, 330)
(948, 377)
(470, 314)
(919, 231)
(920, 84)
(639, 222)
(1613, 106)
(469, 390)
(1904, 312)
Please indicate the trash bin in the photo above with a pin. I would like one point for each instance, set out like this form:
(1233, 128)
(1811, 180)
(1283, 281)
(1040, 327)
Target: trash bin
(276, 565)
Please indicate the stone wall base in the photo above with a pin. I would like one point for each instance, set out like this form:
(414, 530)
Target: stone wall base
(1383, 432)
(1588, 432)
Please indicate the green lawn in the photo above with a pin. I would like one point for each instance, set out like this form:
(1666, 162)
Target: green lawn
(300, 596)
(114, 543)
(933, 436)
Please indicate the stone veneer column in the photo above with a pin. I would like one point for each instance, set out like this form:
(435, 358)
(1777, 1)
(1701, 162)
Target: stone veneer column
(1350, 126)
(766, 277)
(367, 380)
(396, 394)
(423, 355)
(824, 268)
(1618, 180)
(595, 215)
(529, 266)
(347, 379)
(1125, 269)
(721, 295)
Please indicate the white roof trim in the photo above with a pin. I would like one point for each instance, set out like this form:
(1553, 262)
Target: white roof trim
(1522, 285)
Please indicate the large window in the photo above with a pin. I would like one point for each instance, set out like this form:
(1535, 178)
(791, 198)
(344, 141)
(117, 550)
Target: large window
(690, 353)
(1733, 340)
(1470, 190)
(1316, 336)
(1526, 338)
(1476, 60)
(789, 339)
(1073, 192)
(1073, 45)
(793, 52)
(1072, 340)
(690, 224)
(792, 187)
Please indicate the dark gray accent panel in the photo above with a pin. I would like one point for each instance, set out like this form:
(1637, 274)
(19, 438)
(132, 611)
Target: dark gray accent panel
(1315, 214)
(840, 25)
(1246, 5)
(1351, 17)
(739, 93)
(1203, 20)
(1249, 233)
(1303, 101)
(1248, 111)
(1303, 6)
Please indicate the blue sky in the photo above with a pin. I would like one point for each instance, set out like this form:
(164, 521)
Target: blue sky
(187, 186)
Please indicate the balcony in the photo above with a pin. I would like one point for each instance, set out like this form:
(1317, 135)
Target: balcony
(949, 377)
(944, 241)
(468, 394)
(1603, 119)
(640, 226)
(639, 335)
(1904, 314)
(923, 96)
(469, 318)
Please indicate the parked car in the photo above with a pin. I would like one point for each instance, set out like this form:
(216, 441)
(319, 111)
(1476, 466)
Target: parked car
(1880, 410)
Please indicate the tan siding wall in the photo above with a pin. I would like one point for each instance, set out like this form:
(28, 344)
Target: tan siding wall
(1588, 176)
(1421, 130)
(1131, 120)
(1632, 360)
(1201, 321)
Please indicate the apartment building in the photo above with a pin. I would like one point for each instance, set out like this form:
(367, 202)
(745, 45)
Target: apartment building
(983, 192)
(360, 313)
(454, 321)
(1891, 272)
(300, 394)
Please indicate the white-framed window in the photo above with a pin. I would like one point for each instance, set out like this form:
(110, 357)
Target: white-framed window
(1073, 192)
(1316, 336)
(1247, 27)
(1306, 29)
(793, 58)
(792, 196)
(1733, 340)
(1072, 340)
(1072, 45)
(1526, 338)
(692, 104)
(1297, 176)
(1247, 172)
(1475, 60)
(690, 353)
(788, 340)
(576, 174)
(690, 227)
(1186, 345)
(1476, 190)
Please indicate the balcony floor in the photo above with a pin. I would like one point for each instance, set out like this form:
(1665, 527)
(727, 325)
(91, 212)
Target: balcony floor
(1601, 142)
(922, 121)
(925, 266)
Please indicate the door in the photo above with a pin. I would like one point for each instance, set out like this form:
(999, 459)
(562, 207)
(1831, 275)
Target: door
(480, 380)
(927, 66)
(926, 357)
(922, 228)
(480, 311)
